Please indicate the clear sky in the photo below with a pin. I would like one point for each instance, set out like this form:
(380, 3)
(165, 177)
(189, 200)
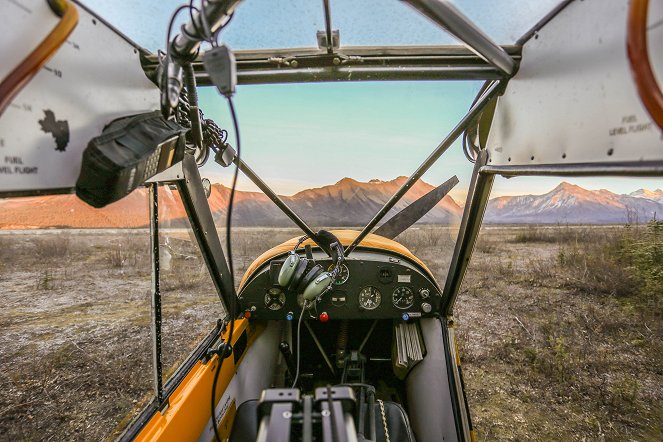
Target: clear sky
(298, 136)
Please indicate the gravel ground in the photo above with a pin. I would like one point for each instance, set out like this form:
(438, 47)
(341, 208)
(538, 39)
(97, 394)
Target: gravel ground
(542, 360)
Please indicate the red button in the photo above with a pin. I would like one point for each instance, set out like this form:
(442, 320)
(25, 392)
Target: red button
(324, 317)
(247, 314)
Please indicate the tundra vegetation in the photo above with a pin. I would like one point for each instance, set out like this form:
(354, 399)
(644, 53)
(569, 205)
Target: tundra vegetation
(560, 328)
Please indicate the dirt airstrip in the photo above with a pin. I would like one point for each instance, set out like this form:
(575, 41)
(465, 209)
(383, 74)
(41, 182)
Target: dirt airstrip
(548, 353)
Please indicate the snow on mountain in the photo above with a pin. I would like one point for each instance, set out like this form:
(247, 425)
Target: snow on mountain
(568, 203)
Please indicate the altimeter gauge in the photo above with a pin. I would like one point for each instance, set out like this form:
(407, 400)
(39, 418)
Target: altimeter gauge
(369, 298)
(403, 297)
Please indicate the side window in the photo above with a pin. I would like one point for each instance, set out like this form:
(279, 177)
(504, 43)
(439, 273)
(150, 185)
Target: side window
(190, 305)
(75, 322)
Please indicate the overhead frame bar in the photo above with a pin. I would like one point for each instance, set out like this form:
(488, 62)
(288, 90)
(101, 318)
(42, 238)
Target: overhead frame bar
(454, 22)
(462, 125)
(354, 63)
(635, 168)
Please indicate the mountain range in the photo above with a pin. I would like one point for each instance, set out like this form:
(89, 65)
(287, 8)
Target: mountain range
(346, 203)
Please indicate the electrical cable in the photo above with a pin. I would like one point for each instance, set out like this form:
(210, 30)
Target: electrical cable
(299, 334)
(226, 348)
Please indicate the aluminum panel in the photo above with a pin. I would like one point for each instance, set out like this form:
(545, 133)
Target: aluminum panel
(94, 78)
(573, 99)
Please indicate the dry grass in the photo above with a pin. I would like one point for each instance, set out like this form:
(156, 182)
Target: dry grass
(53, 247)
(561, 336)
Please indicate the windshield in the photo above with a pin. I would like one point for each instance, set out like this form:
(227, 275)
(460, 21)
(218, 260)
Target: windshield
(261, 24)
(336, 152)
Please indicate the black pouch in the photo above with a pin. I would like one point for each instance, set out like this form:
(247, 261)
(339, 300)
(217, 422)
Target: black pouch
(129, 151)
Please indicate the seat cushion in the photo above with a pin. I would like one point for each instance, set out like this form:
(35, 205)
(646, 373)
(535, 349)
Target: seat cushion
(245, 427)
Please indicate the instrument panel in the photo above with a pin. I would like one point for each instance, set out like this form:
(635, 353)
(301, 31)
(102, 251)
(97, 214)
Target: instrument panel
(370, 285)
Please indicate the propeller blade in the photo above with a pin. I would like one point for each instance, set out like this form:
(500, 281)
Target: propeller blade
(415, 211)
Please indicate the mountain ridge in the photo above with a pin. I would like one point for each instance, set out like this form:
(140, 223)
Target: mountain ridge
(348, 202)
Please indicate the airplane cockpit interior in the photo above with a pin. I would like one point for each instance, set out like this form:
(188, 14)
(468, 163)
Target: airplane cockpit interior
(335, 330)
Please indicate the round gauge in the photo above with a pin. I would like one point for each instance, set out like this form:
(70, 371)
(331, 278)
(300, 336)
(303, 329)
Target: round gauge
(343, 274)
(369, 298)
(403, 297)
(275, 298)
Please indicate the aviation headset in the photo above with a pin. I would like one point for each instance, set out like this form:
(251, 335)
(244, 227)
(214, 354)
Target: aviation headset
(296, 276)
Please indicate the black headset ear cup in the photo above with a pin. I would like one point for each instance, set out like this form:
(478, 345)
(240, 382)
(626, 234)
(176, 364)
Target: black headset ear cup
(298, 275)
(315, 271)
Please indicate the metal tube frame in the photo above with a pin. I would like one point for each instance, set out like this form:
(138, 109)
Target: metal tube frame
(475, 207)
(353, 63)
(462, 125)
(156, 294)
(189, 184)
(204, 229)
(217, 13)
(250, 174)
(633, 168)
(229, 152)
(328, 26)
(454, 22)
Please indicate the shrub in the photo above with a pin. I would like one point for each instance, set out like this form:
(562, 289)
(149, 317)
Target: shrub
(642, 250)
(52, 247)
